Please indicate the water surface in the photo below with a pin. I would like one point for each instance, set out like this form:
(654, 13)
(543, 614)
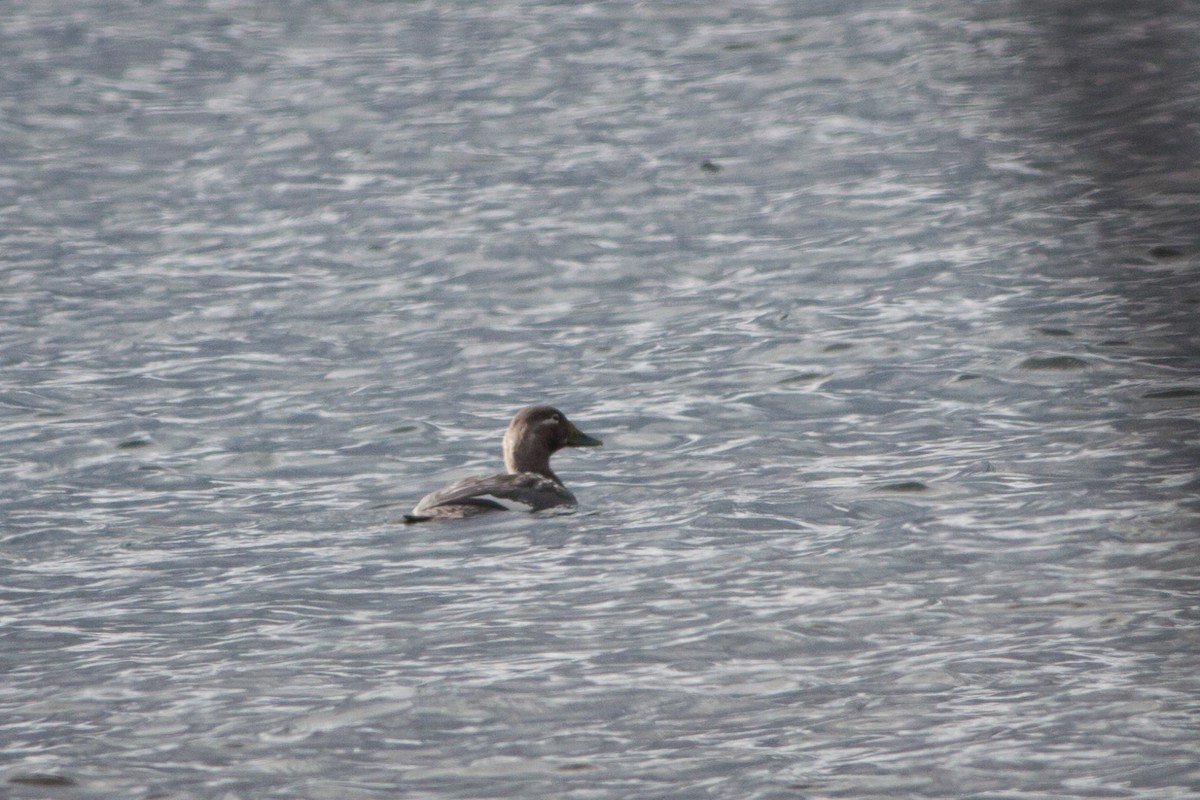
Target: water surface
(886, 312)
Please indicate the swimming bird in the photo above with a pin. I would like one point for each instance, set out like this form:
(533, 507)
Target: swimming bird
(534, 434)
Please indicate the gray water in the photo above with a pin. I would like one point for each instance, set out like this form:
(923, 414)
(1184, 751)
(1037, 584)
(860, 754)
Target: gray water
(887, 313)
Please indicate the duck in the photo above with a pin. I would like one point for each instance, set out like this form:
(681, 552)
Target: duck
(535, 434)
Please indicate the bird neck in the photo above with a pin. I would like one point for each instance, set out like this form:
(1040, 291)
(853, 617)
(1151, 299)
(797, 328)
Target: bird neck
(525, 454)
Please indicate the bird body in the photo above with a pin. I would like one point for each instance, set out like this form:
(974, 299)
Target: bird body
(534, 434)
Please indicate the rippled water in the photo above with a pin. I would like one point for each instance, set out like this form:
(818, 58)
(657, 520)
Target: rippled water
(887, 314)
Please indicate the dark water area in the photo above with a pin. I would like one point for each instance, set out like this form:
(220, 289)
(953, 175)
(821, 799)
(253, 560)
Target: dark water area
(887, 314)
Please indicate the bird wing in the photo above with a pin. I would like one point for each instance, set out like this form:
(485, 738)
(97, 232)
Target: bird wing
(523, 491)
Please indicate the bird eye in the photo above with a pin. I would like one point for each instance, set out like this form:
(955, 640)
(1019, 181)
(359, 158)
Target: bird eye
(556, 418)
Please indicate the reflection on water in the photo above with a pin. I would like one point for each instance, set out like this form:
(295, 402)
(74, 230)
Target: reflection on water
(886, 317)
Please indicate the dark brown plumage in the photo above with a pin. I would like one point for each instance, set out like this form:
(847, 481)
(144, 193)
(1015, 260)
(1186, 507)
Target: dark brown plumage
(535, 434)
